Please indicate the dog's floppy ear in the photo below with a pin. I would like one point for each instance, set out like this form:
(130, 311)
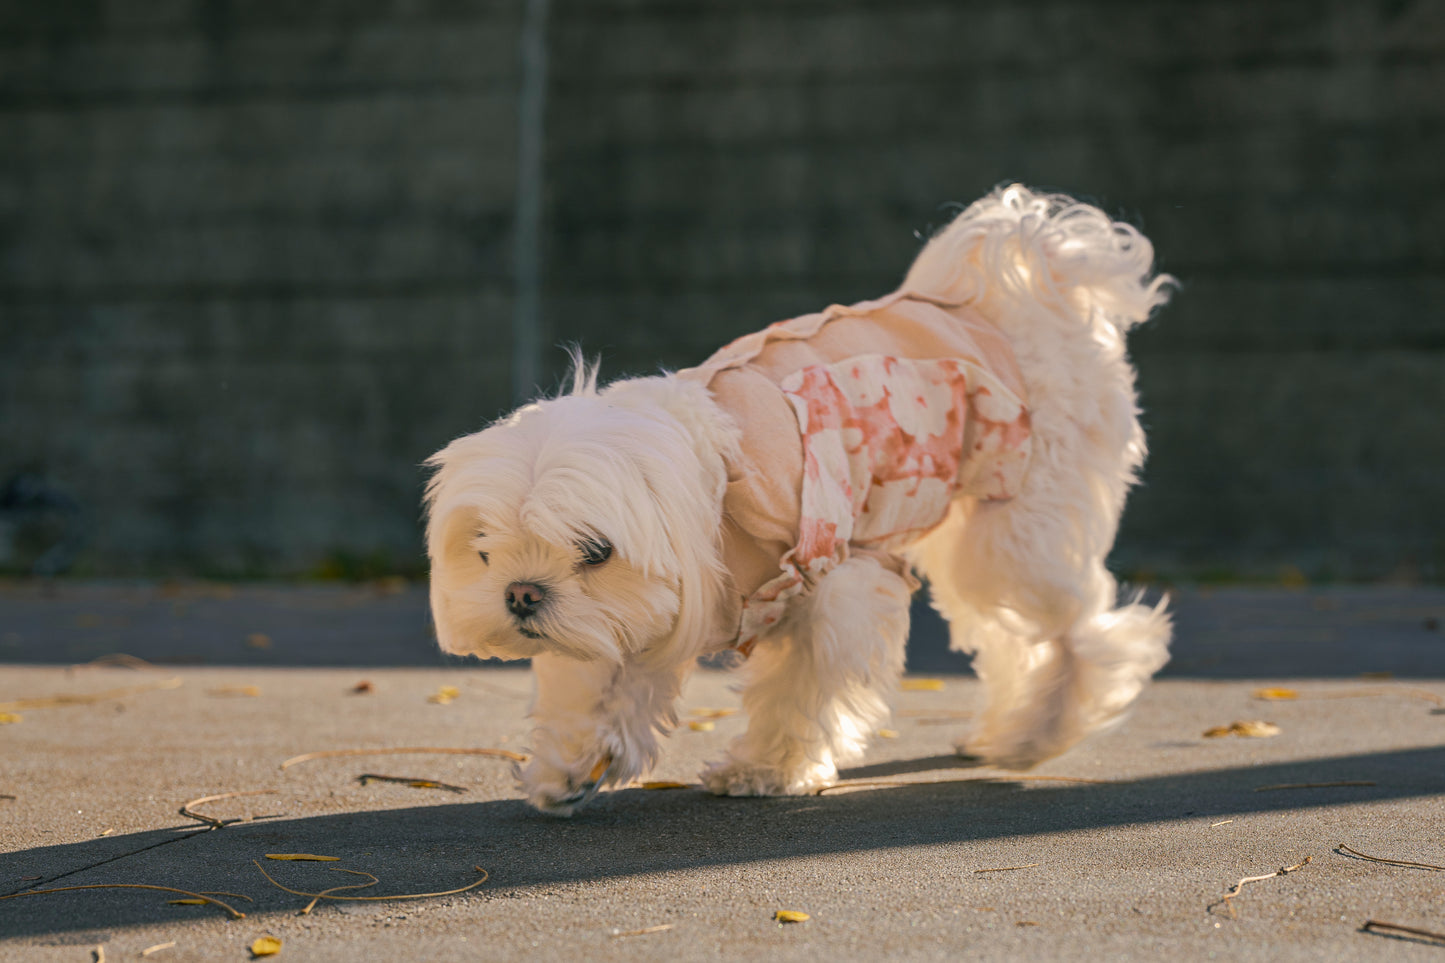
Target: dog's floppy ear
(688, 497)
(468, 475)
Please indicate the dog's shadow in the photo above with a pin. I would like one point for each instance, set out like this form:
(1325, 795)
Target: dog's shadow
(636, 832)
(901, 767)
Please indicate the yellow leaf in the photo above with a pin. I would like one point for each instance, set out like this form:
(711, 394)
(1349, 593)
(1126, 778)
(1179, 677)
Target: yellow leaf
(922, 685)
(600, 770)
(304, 856)
(6, 718)
(714, 713)
(790, 916)
(235, 690)
(665, 784)
(887, 733)
(1253, 729)
(266, 946)
(444, 695)
(1275, 694)
(700, 726)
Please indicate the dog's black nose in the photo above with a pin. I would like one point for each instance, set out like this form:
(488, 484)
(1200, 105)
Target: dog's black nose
(524, 598)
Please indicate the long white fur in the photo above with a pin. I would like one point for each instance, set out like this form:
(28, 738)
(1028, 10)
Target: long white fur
(643, 464)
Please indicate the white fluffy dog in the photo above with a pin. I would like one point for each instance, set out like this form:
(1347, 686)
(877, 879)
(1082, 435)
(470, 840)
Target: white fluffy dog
(978, 426)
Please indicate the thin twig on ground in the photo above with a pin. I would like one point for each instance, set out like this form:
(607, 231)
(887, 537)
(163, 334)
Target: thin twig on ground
(212, 821)
(643, 932)
(1239, 886)
(405, 750)
(411, 781)
(235, 913)
(1385, 859)
(81, 699)
(1409, 693)
(1316, 785)
(1005, 869)
(1389, 929)
(326, 894)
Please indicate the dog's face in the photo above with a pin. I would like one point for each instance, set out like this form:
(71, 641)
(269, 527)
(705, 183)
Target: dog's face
(559, 530)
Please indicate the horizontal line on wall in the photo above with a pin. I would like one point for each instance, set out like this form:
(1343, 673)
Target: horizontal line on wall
(893, 141)
(88, 28)
(207, 96)
(66, 295)
(1326, 60)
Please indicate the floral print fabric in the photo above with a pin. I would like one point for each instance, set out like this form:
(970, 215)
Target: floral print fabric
(887, 443)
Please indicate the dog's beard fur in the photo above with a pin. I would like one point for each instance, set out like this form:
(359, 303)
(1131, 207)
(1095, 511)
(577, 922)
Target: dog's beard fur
(642, 466)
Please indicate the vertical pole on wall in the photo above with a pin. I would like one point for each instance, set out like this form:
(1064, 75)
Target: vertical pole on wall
(527, 233)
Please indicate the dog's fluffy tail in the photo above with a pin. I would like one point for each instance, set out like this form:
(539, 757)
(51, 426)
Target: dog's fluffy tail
(1023, 581)
(1016, 248)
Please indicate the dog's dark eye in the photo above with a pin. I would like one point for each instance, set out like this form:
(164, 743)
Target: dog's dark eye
(595, 551)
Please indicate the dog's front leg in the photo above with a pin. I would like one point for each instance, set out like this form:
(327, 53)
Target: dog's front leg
(598, 724)
(818, 687)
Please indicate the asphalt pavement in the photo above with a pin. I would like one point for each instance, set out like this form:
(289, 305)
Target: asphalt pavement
(135, 699)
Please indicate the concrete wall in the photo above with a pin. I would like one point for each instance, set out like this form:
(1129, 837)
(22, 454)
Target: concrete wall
(255, 257)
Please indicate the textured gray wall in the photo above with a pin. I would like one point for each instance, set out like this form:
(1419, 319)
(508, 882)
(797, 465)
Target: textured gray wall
(255, 257)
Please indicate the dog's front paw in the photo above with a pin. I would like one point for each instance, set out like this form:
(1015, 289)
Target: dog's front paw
(560, 791)
(735, 778)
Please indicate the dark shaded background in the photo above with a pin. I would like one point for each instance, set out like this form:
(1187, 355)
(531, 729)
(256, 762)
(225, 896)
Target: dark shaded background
(257, 257)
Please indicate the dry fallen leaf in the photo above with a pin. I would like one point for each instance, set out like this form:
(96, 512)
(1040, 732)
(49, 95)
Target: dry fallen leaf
(187, 902)
(444, 695)
(698, 725)
(363, 687)
(713, 713)
(922, 685)
(665, 784)
(304, 856)
(887, 733)
(1253, 729)
(266, 946)
(791, 916)
(235, 690)
(258, 640)
(1273, 694)
(6, 718)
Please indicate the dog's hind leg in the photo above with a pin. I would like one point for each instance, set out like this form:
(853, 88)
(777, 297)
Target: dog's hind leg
(1057, 658)
(819, 686)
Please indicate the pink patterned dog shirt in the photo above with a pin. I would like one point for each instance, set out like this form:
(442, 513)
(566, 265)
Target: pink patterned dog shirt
(862, 424)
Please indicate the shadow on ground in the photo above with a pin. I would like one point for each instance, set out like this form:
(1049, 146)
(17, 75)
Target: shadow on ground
(635, 832)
